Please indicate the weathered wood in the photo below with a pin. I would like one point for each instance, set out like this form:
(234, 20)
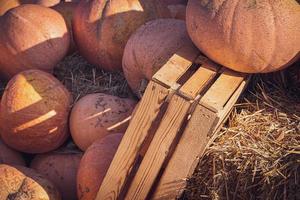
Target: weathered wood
(223, 114)
(127, 153)
(198, 81)
(202, 126)
(178, 64)
(158, 149)
(220, 92)
(186, 155)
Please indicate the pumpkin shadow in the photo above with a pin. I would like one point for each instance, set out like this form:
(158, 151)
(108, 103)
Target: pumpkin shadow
(43, 56)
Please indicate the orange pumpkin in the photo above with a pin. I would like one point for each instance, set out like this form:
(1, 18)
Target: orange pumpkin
(97, 115)
(5, 5)
(31, 37)
(66, 9)
(102, 27)
(24, 183)
(34, 112)
(10, 156)
(60, 167)
(150, 47)
(94, 165)
(246, 36)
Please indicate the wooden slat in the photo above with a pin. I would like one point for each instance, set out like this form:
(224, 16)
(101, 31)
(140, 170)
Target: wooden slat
(223, 114)
(178, 64)
(158, 149)
(192, 145)
(186, 155)
(126, 155)
(220, 92)
(198, 81)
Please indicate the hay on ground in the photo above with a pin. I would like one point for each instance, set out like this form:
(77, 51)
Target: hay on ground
(256, 155)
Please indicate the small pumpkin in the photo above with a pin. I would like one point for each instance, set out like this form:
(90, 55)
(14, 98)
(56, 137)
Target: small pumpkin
(247, 36)
(60, 167)
(66, 9)
(5, 5)
(102, 27)
(34, 112)
(24, 183)
(97, 115)
(31, 37)
(94, 165)
(10, 156)
(150, 47)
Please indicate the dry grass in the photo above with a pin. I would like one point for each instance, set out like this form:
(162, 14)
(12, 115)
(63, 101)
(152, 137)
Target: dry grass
(257, 154)
(82, 78)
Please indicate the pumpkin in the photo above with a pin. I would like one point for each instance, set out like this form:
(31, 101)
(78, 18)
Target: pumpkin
(94, 165)
(66, 9)
(60, 167)
(24, 183)
(150, 47)
(31, 37)
(10, 156)
(5, 5)
(102, 27)
(34, 112)
(97, 115)
(247, 36)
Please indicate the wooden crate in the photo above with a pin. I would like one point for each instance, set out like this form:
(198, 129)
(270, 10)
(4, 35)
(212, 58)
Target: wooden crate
(182, 108)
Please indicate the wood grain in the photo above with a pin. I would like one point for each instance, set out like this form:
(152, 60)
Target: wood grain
(197, 82)
(126, 155)
(158, 149)
(220, 92)
(178, 64)
(186, 155)
(223, 114)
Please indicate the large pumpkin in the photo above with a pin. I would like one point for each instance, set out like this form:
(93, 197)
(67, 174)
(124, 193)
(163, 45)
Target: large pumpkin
(21, 183)
(66, 9)
(246, 35)
(150, 47)
(60, 167)
(34, 112)
(10, 156)
(102, 27)
(94, 165)
(31, 37)
(97, 115)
